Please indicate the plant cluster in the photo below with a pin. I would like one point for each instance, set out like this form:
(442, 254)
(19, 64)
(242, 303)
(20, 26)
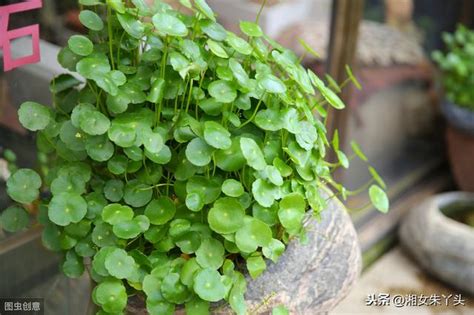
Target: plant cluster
(457, 66)
(182, 154)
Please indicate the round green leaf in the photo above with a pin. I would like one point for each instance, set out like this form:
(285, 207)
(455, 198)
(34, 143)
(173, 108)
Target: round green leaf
(272, 84)
(231, 159)
(94, 123)
(232, 188)
(68, 183)
(73, 265)
(99, 148)
(80, 45)
(239, 44)
(251, 29)
(113, 190)
(119, 264)
(198, 152)
(152, 141)
(67, 208)
(194, 202)
(269, 119)
(213, 30)
(292, 210)
(91, 20)
(226, 216)
(102, 235)
(98, 263)
(379, 199)
(14, 219)
(188, 242)
(137, 194)
(169, 25)
(160, 210)
(122, 135)
(111, 295)
(274, 250)
(133, 26)
(34, 116)
(93, 67)
(115, 213)
(222, 91)
(216, 135)
(264, 193)
(210, 254)
(217, 49)
(253, 234)
(205, 9)
(208, 285)
(252, 153)
(173, 290)
(23, 186)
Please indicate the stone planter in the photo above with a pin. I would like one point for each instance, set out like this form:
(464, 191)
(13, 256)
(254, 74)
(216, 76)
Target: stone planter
(308, 279)
(443, 246)
(460, 142)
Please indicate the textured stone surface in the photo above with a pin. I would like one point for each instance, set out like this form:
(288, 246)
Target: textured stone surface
(444, 247)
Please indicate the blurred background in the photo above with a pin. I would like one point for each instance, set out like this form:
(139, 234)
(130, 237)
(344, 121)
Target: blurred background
(395, 118)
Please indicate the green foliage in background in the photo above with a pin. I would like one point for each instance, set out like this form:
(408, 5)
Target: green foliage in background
(183, 154)
(457, 66)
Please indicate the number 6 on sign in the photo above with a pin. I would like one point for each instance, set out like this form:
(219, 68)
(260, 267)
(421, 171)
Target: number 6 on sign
(6, 36)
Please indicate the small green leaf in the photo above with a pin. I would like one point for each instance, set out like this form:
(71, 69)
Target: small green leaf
(205, 9)
(34, 116)
(213, 30)
(80, 45)
(14, 219)
(269, 119)
(274, 250)
(341, 156)
(251, 29)
(280, 310)
(160, 210)
(353, 78)
(226, 216)
(94, 123)
(169, 25)
(265, 193)
(115, 213)
(173, 290)
(91, 20)
(23, 186)
(252, 153)
(113, 190)
(119, 264)
(216, 135)
(358, 151)
(252, 234)
(239, 44)
(210, 254)
(131, 25)
(292, 210)
(256, 266)
(67, 208)
(111, 295)
(137, 194)
(379, 198)
(272, 84)
(222, 91)
(198, 152)
(208, 285)
(377, 177)
(217, 49)
(232, 188)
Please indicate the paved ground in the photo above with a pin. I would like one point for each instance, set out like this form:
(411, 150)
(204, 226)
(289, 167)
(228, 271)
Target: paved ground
(397, 275)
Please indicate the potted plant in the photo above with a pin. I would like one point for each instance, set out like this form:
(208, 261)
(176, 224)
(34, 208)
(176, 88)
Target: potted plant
(183, 160)
(457, 69)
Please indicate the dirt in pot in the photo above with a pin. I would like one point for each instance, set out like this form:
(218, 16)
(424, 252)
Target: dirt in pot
(460, 212)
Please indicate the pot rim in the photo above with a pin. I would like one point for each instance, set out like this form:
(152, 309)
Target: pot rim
(453, 198)
(457, 116)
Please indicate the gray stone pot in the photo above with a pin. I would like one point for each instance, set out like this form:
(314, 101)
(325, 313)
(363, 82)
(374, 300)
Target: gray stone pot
(443, 246)
(458, 117)
(308, 279)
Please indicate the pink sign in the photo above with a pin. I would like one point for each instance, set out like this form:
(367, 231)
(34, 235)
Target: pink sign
(6, 36)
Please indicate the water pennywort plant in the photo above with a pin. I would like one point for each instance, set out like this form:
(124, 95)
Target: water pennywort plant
(179, 150)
